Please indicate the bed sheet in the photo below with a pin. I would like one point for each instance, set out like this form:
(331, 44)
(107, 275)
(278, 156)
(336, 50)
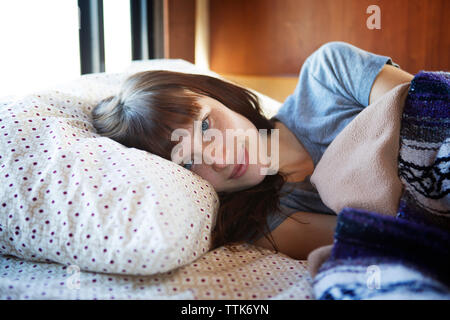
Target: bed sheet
(247, 274)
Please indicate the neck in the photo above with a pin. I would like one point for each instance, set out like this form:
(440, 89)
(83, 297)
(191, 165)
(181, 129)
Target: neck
(293, 159)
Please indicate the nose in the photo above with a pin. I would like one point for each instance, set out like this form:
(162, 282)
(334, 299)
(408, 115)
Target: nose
(219, 162)
(219, 166)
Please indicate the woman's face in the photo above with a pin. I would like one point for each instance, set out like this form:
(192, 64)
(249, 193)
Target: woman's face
(234, 169)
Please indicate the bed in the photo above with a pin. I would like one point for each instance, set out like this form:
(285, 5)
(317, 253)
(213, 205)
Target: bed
(79, 220)
(220, 274)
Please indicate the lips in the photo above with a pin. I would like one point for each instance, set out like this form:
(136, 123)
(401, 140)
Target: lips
(240, 169)
(235, 170)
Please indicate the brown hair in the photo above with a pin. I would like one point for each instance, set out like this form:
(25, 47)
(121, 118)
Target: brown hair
(152, 104)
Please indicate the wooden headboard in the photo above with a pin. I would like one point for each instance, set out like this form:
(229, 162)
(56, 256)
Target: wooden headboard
(274, 37)
(263, 43)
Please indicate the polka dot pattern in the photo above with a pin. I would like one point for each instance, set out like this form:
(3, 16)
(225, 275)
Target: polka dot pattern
(73, 197)
(219, 274)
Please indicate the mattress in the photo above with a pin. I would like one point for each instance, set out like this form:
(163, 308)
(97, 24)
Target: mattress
(247, 273)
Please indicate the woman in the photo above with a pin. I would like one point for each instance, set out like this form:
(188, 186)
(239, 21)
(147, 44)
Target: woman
(336, 82)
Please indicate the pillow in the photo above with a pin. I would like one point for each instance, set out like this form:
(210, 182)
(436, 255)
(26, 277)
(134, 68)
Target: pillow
(71, 196)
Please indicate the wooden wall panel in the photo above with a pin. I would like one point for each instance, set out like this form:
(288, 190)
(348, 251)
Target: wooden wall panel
(274, 37)
(179, 29)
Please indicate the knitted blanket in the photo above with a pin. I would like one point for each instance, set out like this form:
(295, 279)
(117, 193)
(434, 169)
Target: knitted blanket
(376, 256)
(424, 156)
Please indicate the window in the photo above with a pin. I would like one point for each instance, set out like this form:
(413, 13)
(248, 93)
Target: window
(116, 19)
(39, 44)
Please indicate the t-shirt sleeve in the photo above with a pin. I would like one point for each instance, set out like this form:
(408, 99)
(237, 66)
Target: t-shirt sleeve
(346, 70)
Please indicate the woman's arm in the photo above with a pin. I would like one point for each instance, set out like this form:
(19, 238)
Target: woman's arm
(388, 78)
(296, 239)
(351, 73)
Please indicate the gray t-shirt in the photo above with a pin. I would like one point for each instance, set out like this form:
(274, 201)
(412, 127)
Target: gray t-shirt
(333, 87)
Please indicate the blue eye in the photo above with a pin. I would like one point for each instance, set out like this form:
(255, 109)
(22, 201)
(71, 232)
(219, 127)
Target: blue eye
(205, 125)
(187, 166)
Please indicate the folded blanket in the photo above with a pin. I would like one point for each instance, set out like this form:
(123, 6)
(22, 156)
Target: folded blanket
(375, 256)
(394, 155)
(359, 168)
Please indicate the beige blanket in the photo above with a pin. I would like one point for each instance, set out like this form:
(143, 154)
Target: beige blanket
(359, 168)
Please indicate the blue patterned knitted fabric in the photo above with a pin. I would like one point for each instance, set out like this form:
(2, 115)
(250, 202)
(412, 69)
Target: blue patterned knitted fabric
(376, 256)
(424, 155)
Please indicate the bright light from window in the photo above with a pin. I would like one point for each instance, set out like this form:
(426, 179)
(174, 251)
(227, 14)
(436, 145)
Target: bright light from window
(39, 44)
(202, 34)
(116, 19)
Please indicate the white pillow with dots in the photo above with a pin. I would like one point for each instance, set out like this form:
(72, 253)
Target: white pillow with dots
(71, 196)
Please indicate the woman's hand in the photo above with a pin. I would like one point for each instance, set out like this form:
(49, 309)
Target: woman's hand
(388, 78)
